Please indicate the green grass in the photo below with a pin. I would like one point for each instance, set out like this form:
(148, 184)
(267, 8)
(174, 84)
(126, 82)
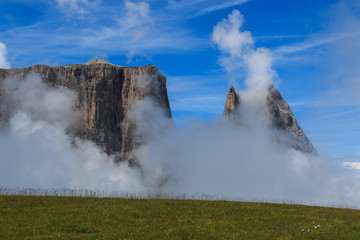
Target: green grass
(36, 217)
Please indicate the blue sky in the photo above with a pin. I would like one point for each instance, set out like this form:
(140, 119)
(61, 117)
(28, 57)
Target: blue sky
(315, 47)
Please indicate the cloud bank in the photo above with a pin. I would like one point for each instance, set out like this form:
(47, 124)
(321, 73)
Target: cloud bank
(212, 157)
(38, 152)
(217, 158)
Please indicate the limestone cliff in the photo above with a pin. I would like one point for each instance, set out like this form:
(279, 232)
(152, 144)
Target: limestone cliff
(105, 93)
(279, 115)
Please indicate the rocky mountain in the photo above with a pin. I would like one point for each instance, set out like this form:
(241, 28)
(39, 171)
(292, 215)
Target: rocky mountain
(105, 93)
(279, 115)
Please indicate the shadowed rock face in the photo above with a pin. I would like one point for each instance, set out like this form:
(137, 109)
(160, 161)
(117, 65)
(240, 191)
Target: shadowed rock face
(279, 115)
(105, 93)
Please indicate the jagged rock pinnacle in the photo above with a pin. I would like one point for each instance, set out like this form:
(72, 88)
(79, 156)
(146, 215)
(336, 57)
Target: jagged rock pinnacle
(232, 103)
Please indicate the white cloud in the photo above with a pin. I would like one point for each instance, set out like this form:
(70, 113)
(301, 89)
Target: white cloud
(260, 74)
(137, 20)
(3, 56)
(239, 54)
(351, 165)
(228, 36)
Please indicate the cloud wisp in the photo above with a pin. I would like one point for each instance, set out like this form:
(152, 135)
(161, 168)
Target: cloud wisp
(128, 28)
(317, 41)
(194, 9)
(3, 56)
(78, 8)
(240, 55)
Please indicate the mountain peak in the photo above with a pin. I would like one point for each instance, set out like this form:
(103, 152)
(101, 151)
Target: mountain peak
(96, 60)
(232, 103)
(279, 115)
(282, 118)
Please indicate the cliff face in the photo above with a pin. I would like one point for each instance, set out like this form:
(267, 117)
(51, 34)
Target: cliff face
(279, 115)
(105, 93)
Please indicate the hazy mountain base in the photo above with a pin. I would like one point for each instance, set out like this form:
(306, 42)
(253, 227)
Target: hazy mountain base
(216, 158)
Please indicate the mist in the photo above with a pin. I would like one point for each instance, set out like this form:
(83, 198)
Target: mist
(37, 152)
(245, 161)
(218, 157)
(3, 55)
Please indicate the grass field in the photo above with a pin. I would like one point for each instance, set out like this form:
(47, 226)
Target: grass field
(35, 217)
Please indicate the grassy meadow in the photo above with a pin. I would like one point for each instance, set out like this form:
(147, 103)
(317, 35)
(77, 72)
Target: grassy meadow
(55, 217)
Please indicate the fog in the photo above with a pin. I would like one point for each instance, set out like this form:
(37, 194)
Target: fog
(243, 162)
(37, 152)
(225, 160)
(218, 158)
